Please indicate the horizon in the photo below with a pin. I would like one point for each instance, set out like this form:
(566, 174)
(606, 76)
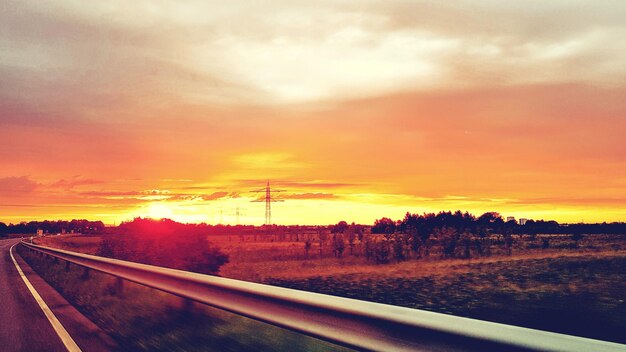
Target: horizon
(353, 110)
(504, 217)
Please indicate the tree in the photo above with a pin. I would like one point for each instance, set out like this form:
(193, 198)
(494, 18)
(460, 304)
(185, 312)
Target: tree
(508, 243)
(340, 227)
(448, 238)
(351, 238)
(416, 244)
(384, 226)
(398, 247)
(369, 247)
(381, 252)
(322, 238)
(466, 242)
(307, 246)
(339, 245)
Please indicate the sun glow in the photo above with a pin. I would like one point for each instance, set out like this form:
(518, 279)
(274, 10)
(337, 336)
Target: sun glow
(159, 211)
(178, 211)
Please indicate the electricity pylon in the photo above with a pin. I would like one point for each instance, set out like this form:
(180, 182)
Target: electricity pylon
(237, 214)
(268, 201)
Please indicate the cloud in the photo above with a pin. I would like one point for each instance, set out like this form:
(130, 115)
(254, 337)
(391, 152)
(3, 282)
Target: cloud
(296, 52)
(160, 195)
(308, 196)
(74, 182)
(17, 186)
(316, 184)
(215, 195)
(112, 194)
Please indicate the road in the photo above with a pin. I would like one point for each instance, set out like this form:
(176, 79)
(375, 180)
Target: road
(23, 325)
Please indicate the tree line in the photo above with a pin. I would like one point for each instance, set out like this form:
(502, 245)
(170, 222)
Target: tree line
(59, 226)
(490, 222)
(457, 235)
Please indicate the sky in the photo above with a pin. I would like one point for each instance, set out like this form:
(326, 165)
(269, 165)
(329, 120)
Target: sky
(354, 110)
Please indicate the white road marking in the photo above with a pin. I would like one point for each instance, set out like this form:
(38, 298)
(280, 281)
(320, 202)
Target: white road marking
(56, 324)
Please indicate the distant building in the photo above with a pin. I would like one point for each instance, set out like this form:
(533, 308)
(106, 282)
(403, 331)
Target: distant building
(522, 221)
(510, 218)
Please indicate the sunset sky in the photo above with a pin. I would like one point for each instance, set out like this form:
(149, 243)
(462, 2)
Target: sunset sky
(356, 109)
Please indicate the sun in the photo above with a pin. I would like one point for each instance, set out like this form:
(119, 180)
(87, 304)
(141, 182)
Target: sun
(159, 211)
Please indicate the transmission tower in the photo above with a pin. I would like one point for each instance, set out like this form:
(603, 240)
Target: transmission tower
(268, 201)
(237, 214)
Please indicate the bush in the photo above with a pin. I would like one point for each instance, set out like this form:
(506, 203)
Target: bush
(164, 247)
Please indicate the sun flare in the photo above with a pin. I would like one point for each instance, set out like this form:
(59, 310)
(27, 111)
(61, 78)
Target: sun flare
(159, 211)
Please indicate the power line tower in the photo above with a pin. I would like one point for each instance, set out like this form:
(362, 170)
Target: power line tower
(268, 201)
(237, 215)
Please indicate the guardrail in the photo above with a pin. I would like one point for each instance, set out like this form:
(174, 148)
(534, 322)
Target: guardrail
(348, 322)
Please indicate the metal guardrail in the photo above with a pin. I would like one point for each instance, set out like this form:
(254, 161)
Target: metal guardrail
(348, 322)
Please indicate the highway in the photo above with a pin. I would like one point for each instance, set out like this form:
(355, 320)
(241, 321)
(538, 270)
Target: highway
(23, 325)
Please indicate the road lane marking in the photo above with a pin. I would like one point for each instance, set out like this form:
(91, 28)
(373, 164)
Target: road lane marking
(56, 324)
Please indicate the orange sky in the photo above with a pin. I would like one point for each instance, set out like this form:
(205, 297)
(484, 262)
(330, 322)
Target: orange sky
(356, 111)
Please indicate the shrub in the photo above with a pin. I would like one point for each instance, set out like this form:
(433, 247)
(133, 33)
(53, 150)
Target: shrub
(164, 246)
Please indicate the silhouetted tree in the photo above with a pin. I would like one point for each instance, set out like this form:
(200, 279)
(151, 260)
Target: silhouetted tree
(340, 227)
(3, 229)
(384, 226)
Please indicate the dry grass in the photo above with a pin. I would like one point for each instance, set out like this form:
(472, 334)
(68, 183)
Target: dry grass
(266, 258)
(576, 290)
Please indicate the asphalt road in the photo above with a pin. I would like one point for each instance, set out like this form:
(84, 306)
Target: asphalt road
(23, 325)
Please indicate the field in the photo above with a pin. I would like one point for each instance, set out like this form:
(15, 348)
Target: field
(143, 319)
(575, 288)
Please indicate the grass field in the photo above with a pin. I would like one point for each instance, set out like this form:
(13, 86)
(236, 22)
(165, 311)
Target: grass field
(577, 295)
(144, 319)
(579, 290)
